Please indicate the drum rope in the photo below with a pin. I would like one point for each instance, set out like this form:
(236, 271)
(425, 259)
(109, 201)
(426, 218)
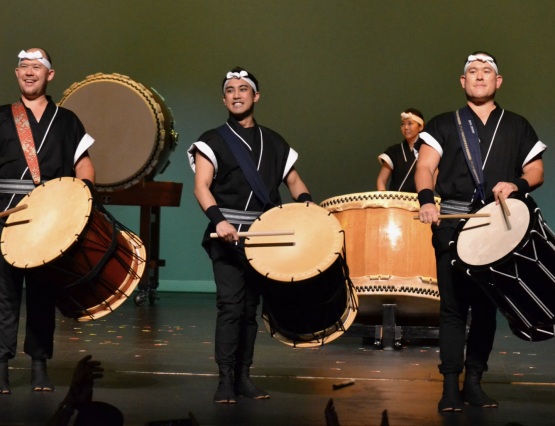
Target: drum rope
(110, 250)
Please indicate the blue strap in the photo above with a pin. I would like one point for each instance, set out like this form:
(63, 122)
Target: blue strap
(246, 164)
(470, 142)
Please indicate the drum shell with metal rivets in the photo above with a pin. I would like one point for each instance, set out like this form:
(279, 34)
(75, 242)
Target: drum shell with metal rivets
(390, 256)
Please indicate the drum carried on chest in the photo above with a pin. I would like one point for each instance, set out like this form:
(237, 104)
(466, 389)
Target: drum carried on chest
(131, 125)
(66, 238)
(391, 258)
(308, 298)
(515, 267)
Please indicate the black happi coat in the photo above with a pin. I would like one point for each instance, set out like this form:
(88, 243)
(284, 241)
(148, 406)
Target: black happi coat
(56, 157)
(515, 145)
(401, 159)
(269, 151)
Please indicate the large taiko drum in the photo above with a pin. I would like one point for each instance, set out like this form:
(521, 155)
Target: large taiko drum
(308, 298)
(515, 267)
(66, 238)
(131, 125)
(390, 255)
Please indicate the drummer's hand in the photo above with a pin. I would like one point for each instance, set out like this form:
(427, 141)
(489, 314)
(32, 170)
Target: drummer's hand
(429, 214)
(506, 188)
(227, 232)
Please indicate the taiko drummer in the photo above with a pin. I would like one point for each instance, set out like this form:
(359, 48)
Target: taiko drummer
(239, 167)
(399, 160)
(39, 141)
(481, 151)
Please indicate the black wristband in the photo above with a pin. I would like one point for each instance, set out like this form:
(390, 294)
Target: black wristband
(89, 184)
(522, 185)
(214, 214)
(426, 196)
(304, 197)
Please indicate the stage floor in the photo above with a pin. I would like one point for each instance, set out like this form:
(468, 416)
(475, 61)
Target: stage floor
(159, 365)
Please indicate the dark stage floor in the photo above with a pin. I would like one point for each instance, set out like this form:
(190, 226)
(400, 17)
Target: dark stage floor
(159, 365)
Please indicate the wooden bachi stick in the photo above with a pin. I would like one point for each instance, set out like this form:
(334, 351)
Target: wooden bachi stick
(459, 216)
(14, 210)
(505, 210)
(258, 234)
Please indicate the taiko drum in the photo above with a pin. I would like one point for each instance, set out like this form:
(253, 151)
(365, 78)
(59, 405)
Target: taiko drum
(390, 256)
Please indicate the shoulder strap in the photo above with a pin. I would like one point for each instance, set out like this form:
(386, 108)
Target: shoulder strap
(470, 143)
(26, 138)
(246, 164)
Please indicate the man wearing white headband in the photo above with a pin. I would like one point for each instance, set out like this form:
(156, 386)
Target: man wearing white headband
(399, 160)
(226, 162)
(506, 158)
(39, 142)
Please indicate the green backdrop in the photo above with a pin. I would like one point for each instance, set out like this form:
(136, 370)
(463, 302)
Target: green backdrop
(334, 77)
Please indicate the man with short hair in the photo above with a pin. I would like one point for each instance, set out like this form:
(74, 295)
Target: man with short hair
(226, 161)
(39, 141)
(506, 157)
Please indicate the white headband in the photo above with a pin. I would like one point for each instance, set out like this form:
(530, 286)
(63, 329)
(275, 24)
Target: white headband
(34, 55)
(243, 75)
(482, 58)
(405, 115)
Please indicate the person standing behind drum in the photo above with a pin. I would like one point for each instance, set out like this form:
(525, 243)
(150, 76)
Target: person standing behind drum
(505, 156)
(34, 125)
(223, 190)
(399, 160)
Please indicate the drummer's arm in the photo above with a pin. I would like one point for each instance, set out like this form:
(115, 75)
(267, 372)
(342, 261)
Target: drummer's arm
(84, 168)
(204, 174)
(426, 166)
(295, 184)
(531, 173)
(384, 175)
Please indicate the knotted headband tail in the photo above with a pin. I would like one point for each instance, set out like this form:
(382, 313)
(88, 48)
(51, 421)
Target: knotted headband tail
(26, 138)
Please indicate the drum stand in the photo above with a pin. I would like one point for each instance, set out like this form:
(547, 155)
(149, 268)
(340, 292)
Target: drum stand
(150, 196)
(389, 335)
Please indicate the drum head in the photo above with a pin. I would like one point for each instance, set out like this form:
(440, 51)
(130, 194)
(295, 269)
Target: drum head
(487, 239)
(57, 212)
(128, 125)
(314, 247)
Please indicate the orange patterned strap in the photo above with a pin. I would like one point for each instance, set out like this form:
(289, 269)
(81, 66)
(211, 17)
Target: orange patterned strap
(26, 139)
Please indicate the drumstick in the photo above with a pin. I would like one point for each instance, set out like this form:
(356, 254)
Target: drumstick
(459, 216)
(258, 234)
(15, 209)
(505, 210)
(504, 204)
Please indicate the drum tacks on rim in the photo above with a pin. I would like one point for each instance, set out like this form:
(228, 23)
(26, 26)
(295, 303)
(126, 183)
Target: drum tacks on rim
(516, 267)
(68, 239)
(131, 125)
(308, 297)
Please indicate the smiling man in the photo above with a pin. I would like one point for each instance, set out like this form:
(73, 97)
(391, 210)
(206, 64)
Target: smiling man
(504, 153)
(39, 141)
(238, 169)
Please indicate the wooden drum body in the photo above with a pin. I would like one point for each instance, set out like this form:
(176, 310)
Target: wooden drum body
(65, 238)
(131, 125)
(390, 256)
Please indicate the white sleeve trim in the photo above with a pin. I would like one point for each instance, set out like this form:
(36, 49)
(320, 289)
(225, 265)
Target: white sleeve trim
(536, 149)
(291, 159)
(206, 150)
(85, 143)
(385, 157)
(430, 140)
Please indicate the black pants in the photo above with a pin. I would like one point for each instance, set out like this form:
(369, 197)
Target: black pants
(41, 313)
(458, 293)
(238, 295)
